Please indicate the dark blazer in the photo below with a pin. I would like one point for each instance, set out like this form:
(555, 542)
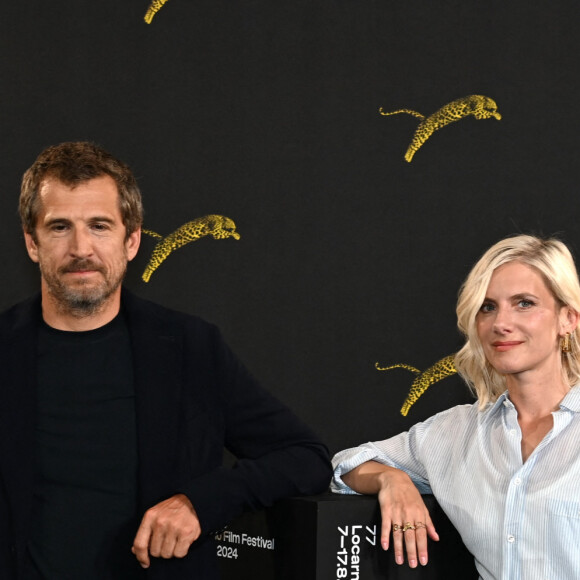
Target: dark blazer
(193, 398)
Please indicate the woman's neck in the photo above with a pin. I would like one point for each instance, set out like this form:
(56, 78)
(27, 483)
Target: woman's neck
(536, 397)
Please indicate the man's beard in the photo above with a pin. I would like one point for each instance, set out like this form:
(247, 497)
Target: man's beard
(86, 297)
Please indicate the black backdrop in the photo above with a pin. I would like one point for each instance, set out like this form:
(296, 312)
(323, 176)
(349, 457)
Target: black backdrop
(268, 113)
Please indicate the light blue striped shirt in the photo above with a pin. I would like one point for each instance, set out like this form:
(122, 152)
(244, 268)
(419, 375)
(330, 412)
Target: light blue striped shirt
(521, 521)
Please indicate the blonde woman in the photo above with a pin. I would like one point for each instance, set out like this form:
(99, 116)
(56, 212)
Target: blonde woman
(506, 470)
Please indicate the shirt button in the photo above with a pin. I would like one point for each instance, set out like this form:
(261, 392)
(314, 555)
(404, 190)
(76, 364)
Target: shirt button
(517, 481)
(513, 432)
(511, 539)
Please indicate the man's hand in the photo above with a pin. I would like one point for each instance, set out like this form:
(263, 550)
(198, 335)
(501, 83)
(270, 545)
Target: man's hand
(167, 530)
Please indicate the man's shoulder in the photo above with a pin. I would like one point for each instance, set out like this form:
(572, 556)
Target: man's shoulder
(149, 322)
(21, 313)
(149, 312)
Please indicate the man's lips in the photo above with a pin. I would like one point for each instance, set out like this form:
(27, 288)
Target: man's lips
(503, 345)
(81, 267)
(80, 270)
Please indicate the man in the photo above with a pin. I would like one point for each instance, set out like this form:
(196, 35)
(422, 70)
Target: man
(115, 411)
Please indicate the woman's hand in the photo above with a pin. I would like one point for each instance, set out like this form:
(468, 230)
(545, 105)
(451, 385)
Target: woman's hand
(403, 511)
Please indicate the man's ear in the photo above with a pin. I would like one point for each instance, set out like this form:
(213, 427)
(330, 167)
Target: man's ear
(31, 246)
(132, 243)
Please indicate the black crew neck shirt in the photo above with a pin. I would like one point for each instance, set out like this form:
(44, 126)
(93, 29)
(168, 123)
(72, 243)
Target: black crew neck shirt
(85, 496)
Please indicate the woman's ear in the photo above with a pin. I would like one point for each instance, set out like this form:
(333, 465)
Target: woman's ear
(569, 320)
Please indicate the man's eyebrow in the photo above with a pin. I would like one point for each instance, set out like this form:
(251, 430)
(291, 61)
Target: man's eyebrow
(105, 219)
(63, 220)
(56, 220)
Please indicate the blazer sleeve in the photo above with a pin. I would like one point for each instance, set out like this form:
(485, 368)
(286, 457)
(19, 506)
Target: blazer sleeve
(277, 454)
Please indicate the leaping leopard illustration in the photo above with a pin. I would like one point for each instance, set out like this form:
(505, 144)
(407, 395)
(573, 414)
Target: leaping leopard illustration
(479, 106)
(218, 226)
(154, 7)
(440, 370)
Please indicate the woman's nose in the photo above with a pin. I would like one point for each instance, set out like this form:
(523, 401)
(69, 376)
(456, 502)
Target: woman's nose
(502, 320)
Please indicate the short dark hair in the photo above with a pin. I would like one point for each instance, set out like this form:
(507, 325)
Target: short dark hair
(73, 163)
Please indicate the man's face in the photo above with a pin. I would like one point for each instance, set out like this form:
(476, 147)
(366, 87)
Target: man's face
(81, 245)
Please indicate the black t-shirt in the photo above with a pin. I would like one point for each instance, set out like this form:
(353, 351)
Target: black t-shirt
(85, 496)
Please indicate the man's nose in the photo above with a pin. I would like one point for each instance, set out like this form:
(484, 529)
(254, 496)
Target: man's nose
(81, 243)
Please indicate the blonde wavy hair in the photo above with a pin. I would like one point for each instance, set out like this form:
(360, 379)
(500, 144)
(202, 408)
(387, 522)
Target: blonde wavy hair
(553, 260)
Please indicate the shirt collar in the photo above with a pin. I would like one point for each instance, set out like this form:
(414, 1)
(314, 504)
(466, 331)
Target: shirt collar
(500, 402)
(571, 401)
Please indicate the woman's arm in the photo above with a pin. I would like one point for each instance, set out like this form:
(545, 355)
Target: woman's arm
(401, 505)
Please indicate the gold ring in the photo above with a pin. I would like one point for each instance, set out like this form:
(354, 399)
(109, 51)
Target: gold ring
(397, 528)
(408, 526)
(419, 525)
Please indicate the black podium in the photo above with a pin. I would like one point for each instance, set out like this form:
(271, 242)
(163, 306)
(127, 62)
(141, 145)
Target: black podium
(330, 537)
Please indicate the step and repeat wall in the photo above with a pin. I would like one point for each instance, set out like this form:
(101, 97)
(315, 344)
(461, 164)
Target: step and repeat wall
(331, 169)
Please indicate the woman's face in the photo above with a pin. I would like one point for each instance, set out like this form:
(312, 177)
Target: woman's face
(520, 324)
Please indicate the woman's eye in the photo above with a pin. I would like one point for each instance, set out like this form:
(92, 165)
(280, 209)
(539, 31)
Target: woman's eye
(486, 307)
(525, 303)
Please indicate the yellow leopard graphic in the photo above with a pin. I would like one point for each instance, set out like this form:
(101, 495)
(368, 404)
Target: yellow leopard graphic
(154, 7)
(441, 369)
(217, 226)
(479, 106)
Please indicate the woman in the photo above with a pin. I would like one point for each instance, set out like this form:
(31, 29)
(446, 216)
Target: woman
(506, 470)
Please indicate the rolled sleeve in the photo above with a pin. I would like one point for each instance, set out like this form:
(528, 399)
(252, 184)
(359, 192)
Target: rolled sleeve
(402, 452)
(349, 459)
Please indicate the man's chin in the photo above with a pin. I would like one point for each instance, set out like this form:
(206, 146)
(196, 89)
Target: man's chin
(81, 295)
(83, 304)
(83, 300)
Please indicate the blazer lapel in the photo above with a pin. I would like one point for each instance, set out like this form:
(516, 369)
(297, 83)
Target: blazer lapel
(157, 363)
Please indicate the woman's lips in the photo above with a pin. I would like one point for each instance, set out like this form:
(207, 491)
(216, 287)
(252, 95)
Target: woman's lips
(504, 345)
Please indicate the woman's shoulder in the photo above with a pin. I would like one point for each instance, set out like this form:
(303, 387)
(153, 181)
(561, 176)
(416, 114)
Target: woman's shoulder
(453, 421)
(458, 412)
